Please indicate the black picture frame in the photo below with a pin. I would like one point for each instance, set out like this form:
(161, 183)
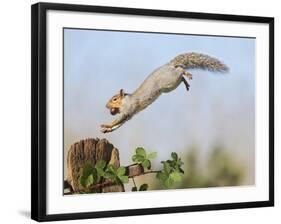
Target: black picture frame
(39, 122)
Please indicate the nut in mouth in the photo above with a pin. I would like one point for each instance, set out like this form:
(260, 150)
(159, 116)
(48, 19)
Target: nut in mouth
(114, 111)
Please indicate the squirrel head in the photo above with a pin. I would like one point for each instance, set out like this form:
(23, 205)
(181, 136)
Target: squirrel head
(115, 103)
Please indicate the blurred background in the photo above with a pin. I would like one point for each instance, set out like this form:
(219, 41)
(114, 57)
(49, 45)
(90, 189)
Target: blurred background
(211, 127)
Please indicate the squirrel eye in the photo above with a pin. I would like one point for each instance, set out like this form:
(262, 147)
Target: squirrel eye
(114, 99)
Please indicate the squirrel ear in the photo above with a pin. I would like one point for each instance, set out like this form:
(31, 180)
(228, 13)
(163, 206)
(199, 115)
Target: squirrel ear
(122, 93)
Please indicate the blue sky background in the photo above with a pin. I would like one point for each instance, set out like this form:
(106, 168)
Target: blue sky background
(217, 109)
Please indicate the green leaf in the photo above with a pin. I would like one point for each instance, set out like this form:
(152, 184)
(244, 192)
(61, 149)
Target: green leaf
(168, 183)
(138, 158)
(124, 179)
(87, 170)
(96, 176)
(82, 181)
(134, 189)
(146, 164)
(175, 176)
(111, 168)
(100, 172)
(143, 187)
(181, 170)
(109, 175)
(179, 162)
(162, 176)
(141, 152)
(100, 164)
(134, 158)
(89, 180)
(174, 156)
(167, 167)
(152, 155)
(121, 171)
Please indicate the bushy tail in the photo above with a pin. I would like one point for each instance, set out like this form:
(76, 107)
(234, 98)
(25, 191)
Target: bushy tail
(197, 60)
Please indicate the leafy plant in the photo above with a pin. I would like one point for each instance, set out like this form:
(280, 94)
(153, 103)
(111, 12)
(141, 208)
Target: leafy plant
(93, 175)
(87, 178)
(100, 166)
(172, 171)
(93, 178)
(143, 158)
(116, 174)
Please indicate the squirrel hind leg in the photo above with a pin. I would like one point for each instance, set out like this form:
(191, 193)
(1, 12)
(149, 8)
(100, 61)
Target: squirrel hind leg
(183, 72)
(187, 74)
(185, 83)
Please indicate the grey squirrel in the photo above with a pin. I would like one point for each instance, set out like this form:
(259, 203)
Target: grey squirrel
(163, 80)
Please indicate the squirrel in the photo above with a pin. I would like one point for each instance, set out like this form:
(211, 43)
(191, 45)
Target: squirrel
(162, 80)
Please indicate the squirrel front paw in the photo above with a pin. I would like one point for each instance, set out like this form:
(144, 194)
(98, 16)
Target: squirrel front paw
(105, 128)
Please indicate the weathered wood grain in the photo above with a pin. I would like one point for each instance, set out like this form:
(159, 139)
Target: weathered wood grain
(90, 151)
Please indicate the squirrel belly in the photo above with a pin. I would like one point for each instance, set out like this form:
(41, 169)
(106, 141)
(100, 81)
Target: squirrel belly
(163, 80)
